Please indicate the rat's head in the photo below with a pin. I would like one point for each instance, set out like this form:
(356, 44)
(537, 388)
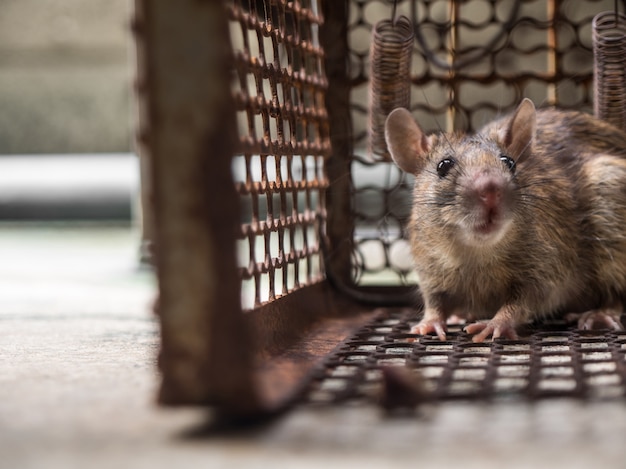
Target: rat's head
(465, 186)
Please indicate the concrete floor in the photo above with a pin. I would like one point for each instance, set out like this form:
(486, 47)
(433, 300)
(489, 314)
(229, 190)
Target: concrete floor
(78, 379)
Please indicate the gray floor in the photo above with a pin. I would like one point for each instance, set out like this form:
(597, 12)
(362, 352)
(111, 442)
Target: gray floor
(78, 379)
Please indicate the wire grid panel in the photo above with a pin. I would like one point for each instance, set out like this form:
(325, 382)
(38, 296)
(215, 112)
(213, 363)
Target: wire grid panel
(279, 85)
(554, 361)
(476, 60)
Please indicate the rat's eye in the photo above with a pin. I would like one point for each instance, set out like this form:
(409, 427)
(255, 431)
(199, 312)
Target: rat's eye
(444, 167)
(509, 162)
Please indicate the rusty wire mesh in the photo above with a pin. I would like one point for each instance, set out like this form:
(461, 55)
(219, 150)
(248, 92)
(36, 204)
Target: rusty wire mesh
(478, 59)
(279, 85)
(553, 361)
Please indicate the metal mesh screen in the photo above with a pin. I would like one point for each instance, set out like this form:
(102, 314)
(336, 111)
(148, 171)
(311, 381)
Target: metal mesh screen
(279, 85)
(553, 361)
(502, 52)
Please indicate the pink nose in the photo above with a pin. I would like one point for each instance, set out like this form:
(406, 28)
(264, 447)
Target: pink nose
(490, 195)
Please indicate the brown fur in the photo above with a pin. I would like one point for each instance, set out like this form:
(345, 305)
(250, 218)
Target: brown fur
(564, 208)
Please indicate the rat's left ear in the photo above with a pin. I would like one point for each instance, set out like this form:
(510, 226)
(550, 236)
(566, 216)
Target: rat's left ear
(406, 141)
(520, 132)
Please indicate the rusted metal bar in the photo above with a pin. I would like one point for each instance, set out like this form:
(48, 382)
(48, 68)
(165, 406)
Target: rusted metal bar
(340, 226)
(206, 356)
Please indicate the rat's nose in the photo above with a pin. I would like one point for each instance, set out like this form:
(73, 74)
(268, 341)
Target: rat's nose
(489, 193)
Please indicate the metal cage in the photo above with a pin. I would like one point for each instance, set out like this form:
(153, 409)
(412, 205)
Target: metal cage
(277, 232)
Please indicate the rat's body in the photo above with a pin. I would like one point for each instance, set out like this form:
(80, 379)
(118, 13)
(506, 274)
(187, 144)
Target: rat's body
(523, 220)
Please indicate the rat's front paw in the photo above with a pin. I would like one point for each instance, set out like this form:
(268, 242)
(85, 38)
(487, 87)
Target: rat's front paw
(496, 327)
(598, 319)
(432, 325)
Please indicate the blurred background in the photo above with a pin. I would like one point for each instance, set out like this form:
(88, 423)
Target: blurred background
(78, 339)
(66, 111)
(65, 71)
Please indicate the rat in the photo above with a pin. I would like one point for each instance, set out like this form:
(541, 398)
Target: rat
(521, 221)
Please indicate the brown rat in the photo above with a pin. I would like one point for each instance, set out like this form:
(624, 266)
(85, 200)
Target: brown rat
(523, 220)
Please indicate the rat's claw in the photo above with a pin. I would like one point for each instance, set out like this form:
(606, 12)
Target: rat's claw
(493, 328)
(427, 326)
(600, 317)
(615, 324)
(440, 330)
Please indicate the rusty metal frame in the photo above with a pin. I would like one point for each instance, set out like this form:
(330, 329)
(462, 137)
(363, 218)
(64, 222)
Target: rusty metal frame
(334, 35)
(184, 58)
(213, 353)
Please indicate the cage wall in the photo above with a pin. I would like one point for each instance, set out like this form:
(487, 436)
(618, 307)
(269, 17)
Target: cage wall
(279, 167)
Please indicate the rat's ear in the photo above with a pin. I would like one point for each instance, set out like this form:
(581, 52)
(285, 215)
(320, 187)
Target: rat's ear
(520, 132)
(406, 142)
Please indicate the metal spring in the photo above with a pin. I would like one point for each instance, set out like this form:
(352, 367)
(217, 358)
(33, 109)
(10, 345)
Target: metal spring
(390, 82)
(609, 50)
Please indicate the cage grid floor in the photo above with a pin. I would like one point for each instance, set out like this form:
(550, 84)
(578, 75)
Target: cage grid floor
(551, 359)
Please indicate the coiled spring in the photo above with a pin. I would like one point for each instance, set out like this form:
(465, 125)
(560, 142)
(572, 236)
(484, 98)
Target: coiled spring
(609, 50)
(390, 82)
